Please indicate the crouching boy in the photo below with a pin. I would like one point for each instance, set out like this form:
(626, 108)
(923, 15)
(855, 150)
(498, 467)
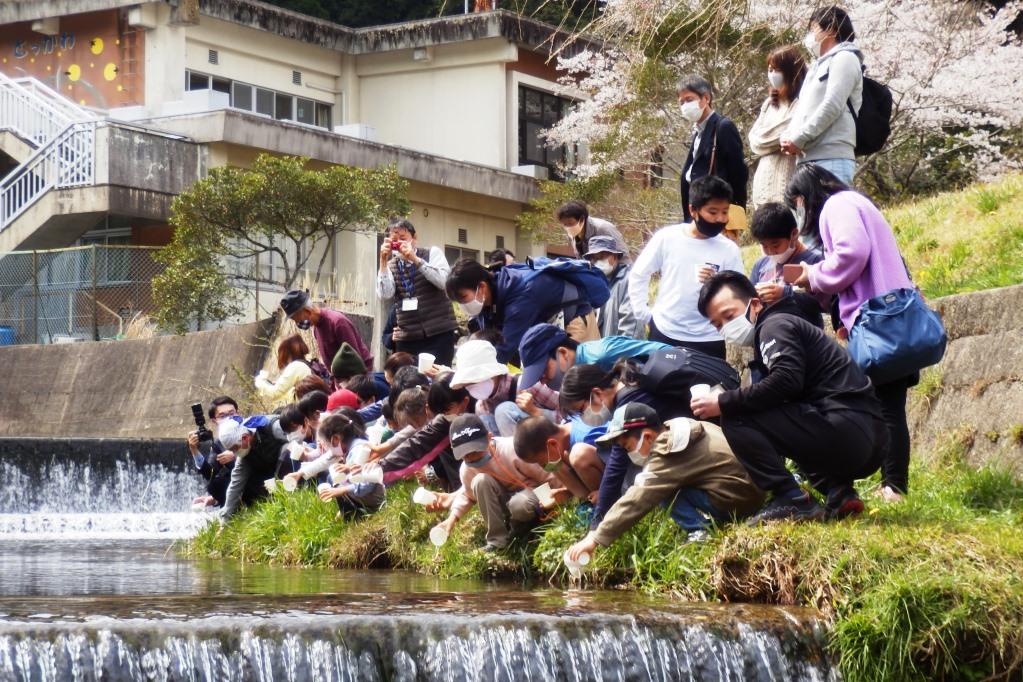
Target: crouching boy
(686, 464)
(344, 444)
(499, 482)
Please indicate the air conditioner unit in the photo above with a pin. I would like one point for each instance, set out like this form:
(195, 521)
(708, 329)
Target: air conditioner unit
(537, 172)
(357, 130)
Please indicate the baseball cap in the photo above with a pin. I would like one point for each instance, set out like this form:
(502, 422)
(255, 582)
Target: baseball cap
(230, 433)
(629, 417)
(468, 435)
(535, 350)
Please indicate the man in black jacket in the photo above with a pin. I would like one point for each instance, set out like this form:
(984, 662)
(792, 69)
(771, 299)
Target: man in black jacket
(716, 146)
(258, 446)
(813, 405)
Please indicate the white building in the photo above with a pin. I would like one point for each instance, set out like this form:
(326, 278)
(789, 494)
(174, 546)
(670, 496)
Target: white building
(108, 108)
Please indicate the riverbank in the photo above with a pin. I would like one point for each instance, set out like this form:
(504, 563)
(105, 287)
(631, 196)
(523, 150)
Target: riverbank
(928, 589)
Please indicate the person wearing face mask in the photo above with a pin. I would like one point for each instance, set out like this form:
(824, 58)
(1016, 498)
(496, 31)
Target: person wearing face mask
(343, 444)
(258, 444)
(813, 405)
(614, 318)
(498, 481)
(581, 227)
(212, 460)
(330, 328)
(716, 147)
(489, 382)
(687, 466)
(823, 126)
(785, 72)
(520, 295)
(774, 228)
(685, 255)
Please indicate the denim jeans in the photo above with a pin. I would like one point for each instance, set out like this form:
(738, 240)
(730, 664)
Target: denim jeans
(508, 414)
(843, 169)
(691, 509)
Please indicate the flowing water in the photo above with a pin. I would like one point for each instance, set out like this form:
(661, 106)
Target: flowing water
(92, 587)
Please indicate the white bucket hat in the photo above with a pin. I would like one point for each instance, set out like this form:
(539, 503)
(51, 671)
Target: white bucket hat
(476, 361)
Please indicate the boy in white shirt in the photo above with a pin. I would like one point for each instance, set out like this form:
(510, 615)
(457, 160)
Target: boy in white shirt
(686, 255)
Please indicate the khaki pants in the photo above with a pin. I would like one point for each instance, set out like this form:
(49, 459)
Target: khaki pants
(503, 511)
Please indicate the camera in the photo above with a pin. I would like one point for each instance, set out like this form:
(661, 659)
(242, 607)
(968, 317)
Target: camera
(200, 422)
(395, 245)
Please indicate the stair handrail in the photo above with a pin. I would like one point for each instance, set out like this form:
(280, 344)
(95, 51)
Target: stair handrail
(34, 111)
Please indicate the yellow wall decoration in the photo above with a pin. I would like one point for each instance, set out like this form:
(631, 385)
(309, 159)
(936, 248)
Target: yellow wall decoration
(74, 72)
(110, 71)
(96, 46)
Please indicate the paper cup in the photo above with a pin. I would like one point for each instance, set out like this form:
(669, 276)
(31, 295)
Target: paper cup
(270, 484)
(575, 567)
(289, 484)
(296, 450)
(199, 507)
(543, 494)
(323, 486)
(426, 361)
(699, 390)
(438, 536)
(369, 475)
(423, 496)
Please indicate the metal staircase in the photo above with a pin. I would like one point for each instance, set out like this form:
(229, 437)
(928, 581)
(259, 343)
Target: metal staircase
(63, 135)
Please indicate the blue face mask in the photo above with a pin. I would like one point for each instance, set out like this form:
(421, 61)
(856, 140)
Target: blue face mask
(482, 461)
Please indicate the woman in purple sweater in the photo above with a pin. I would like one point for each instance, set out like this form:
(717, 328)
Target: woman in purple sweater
(861, 261)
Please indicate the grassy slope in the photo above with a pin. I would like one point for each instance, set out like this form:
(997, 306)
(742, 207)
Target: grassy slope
(958, 241)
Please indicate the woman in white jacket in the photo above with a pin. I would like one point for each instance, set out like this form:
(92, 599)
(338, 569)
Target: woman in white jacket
(785, 72)
(293, 366)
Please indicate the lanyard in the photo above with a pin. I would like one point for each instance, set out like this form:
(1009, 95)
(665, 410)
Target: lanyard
(407, 273)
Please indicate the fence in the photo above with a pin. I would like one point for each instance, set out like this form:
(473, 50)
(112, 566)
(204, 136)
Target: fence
(81, 293)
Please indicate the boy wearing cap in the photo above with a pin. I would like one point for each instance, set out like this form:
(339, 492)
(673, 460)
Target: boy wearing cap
(614, 318)
(686, 464)
(499, 482)
(330, 328)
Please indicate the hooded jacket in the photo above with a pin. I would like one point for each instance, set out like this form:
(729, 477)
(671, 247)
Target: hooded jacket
(616, 317)
(822, 125)
(687, 454)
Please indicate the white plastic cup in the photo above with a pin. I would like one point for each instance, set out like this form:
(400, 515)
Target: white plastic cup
(543, 495)
(423, 496)
(323, 486)
(296, 450)
(270, 484)
(438, 535)
(699, 390)
(199, 507)
(290, 484)
(369, 475)
(426, 361)
(575, 567)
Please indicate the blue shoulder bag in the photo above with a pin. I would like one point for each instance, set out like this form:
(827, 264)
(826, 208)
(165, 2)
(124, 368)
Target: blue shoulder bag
(895, 335)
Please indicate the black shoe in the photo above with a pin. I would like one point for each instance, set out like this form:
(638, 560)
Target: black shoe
(803, 508)
(849, 505)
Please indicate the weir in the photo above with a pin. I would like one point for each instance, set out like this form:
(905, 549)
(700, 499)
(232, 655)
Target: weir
(94, 588)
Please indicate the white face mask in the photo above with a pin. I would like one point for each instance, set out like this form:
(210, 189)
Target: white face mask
(296, 436)
(811, 44)
(776, 79)
(605, 266)
(636, 455)
(800, 214)
(740, 330)
(593, 417)
(692, 110)
(473, 307)
(575, 230)
(783, 257)
(481, 390)
(242, 452)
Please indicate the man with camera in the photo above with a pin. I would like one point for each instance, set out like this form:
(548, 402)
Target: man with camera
(415, 278)
(212, 460)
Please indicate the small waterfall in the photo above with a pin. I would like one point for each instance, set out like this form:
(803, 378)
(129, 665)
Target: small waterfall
(97, 498)
(311, 648)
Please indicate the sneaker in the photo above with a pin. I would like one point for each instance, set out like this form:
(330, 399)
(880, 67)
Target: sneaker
(889, 494)
(803, 508)
(851, 505)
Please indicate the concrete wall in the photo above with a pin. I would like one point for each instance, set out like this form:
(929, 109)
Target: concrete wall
(974, 399)
(123, 389)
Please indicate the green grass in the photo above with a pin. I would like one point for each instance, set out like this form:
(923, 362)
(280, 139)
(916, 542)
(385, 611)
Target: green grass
(928, 589)
(960, 241)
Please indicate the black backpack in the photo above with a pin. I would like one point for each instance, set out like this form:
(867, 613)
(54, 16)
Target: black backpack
(671, 372)
(874, 122)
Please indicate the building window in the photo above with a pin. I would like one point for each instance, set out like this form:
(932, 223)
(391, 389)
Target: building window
(112, 265)
(457, 253)
(538, 111)
(279, 105)
(265, 102)
(241, 96)
(305, 111)
(197, 81)
(323, 117)
(283, 107)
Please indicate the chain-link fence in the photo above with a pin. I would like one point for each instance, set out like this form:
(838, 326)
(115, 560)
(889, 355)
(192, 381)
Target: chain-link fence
(81, 293)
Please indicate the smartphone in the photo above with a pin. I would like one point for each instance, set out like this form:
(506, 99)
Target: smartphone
(791, 272)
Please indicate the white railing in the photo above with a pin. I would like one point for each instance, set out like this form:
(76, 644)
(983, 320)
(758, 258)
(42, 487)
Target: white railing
(68, 160)
(36, 112)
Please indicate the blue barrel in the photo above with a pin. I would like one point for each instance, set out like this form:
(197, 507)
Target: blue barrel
(7, 337)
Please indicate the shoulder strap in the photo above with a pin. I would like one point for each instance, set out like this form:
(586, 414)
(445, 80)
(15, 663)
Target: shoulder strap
(714, 149)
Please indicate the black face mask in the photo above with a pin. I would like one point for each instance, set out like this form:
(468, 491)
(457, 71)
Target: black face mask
(707, 228)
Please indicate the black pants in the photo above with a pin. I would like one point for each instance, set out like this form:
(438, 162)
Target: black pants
(833, 449)
(895, 467)
(713, 348)
(441, 345)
